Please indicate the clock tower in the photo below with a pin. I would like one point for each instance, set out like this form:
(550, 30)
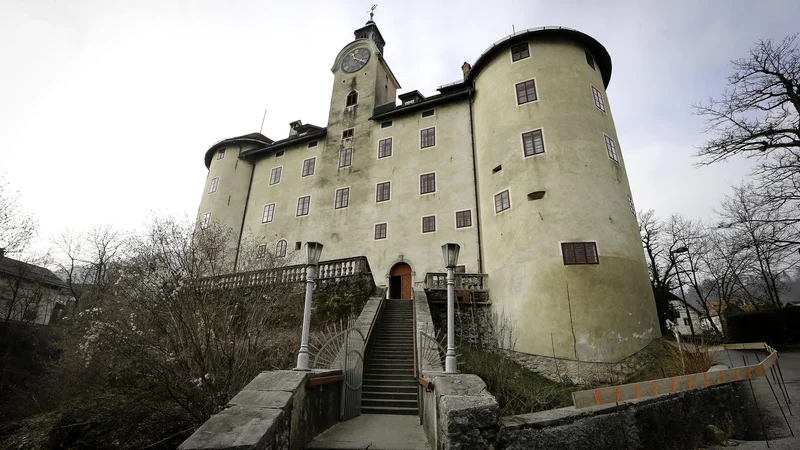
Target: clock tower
(362, 81)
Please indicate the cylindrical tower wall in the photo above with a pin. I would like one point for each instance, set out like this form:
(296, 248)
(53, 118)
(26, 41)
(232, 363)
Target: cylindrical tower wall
(591, 312)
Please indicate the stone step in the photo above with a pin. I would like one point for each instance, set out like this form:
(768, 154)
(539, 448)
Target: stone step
(387, 389)
(401, 354)
(389, 375)
(390, 362)
(386, 381)
(388, 402)
(388, 410)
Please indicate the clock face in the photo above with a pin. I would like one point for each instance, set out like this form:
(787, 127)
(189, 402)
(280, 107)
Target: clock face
(355, 60)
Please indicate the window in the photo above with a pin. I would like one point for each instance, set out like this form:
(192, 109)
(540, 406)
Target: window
(268, 214)
(298, 245)
(308, 167)
(221, 154)
(533, 143)
(312, 144)
(519, 52)
(212, 254)
(686, 321)
(206, 220)
(461, 269)
(598, 99)
(427, 183)
(526, 92)
(352, 98)
(429, 224)
(380, 231)
(427, 137)
(280, 249)
(579, 253)
(589, 59)
(347, 134)
(342, 198)
(345, 157)
(280, 153)
(611, 148)
(383, 192)
(275, 175)
(427, 113)
(303, 203)
(214, 184)
(261, 251)
(502, 202)
(386, 124)
(464, 219)
(633, 208)
(385, 148)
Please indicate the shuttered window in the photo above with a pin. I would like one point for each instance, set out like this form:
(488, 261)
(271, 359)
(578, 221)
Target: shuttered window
(533, 143)
(579, 253)
(526, 92)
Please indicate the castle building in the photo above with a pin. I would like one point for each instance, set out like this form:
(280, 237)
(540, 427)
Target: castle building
(518, 162)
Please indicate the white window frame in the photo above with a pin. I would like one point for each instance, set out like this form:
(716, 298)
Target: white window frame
(435, 183)
(595, 93)
(264, 215)
(205, 221)
(435, 138)
(535, 86)
(302, 169)
(494, 201)
(435, 224)
(214, 185)
(427, 117)
(221, 154)
(280, 176)
(285, 248)
(351, 137)
(471, 219)
(297, 203)
(606, 139)
(511, 52)
(358, 97)
(261, 251)
(378, 148)
(522, 141)
(336, 192)
(387, 231)
(376, 192)
(390, 126)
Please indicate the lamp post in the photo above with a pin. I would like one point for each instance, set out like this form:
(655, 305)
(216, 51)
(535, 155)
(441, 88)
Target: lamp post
(678, 274)
(450, 256)
(314, 251)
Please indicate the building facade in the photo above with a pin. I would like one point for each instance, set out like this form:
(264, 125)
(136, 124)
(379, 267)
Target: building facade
(518, 162)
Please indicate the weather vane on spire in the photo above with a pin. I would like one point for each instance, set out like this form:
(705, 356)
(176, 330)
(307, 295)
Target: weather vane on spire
(372, 11)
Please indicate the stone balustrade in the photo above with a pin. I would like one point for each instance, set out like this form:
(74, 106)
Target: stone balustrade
(476, 282)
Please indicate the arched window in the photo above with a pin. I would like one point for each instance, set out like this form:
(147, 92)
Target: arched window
(352, 98)
(280, 249)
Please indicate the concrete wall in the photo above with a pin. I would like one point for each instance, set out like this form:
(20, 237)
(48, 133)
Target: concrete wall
(277, 410)
(597, 312)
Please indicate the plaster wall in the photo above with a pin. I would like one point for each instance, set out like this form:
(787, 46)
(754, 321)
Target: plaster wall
(598, 312)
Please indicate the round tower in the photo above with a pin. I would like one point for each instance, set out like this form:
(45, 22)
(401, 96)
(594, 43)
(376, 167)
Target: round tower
(560, 237)
(225, 193)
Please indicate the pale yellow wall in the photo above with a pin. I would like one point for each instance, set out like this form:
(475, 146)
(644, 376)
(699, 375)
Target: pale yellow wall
(350, 232)
(611, 304)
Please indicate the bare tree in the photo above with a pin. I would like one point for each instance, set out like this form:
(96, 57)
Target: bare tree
(17, 227)
(758, 116)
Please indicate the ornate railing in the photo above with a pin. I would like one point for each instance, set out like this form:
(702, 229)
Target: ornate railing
(475, 282)
(332, 270)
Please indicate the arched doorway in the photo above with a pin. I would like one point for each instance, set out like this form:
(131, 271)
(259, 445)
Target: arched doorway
(400, 282)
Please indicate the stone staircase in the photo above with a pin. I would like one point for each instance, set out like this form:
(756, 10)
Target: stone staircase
(389, 385)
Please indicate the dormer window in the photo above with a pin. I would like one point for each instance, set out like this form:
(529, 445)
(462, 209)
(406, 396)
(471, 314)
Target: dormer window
(352, 98)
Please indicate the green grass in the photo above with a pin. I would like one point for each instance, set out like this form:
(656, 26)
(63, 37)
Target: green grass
(518, 390)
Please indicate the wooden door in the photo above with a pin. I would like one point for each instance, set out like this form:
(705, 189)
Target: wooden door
(403, 271)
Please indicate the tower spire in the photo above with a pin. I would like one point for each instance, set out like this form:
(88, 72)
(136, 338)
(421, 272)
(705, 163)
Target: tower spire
(372, 11)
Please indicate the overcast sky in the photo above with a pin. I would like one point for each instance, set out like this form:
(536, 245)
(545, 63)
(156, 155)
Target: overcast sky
(107, 107)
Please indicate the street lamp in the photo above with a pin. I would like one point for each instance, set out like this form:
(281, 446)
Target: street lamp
(672, 254)
(314, 251)
(450, 256)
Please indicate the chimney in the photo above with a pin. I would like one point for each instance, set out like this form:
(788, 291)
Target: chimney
(293, 126)
(466, 68)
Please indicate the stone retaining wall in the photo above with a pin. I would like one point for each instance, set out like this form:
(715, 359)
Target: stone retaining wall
(474, 324)
(277, 410)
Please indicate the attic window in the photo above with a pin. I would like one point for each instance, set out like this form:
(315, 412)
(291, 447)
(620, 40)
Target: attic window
(536, 195)
(519, 52)
(279, 154)
(497, 169)
(589, 59)
(312, 144)
(427, 113)
(221, 154)
(386, 124)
